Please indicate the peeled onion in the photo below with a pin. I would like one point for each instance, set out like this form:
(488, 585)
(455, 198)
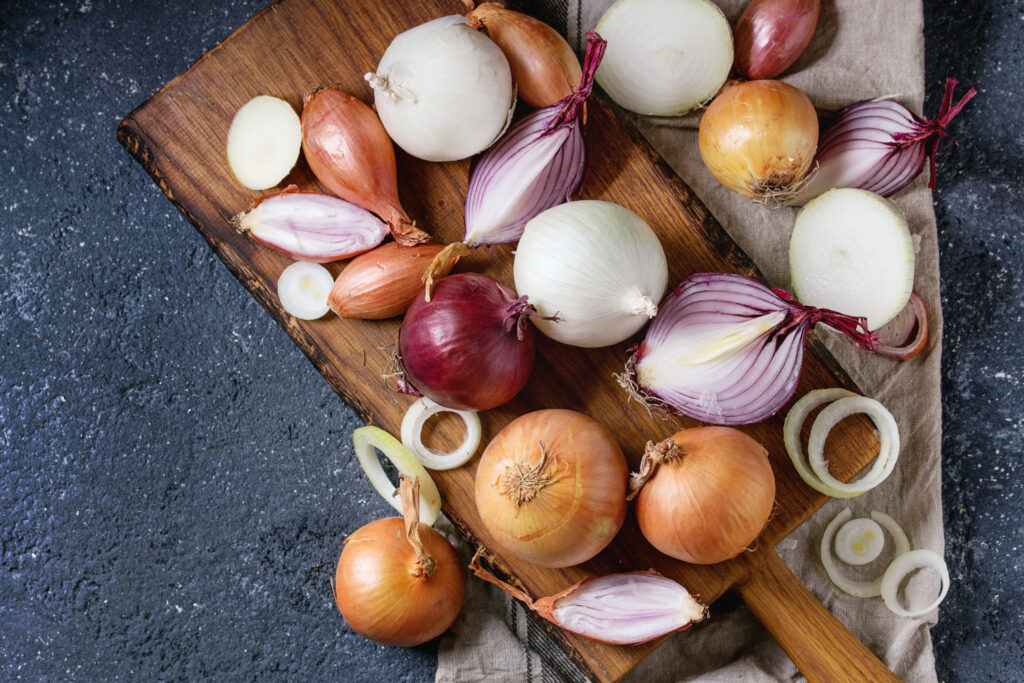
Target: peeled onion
(551, 488)
(758, 138)
(264, 142)
(710, 494)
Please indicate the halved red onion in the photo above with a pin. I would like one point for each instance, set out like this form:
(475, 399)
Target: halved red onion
(726, 349)
(880, 146)
(311, 227)
(538, 164)
(621, 609)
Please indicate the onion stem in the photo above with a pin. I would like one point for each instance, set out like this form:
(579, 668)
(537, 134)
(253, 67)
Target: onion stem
(409, 489)
(654, 455)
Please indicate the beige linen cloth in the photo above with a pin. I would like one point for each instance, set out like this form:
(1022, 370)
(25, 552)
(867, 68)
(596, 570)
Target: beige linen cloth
(862, 49)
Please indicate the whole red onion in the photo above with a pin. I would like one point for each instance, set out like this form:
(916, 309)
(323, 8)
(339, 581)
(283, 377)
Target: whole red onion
(471, 346)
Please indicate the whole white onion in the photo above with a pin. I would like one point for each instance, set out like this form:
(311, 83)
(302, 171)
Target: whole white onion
(595, 265)
(443, 90)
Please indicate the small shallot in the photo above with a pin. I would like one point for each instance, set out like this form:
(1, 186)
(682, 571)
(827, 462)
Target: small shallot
(383, 283)
(544, 67)
(621, 609)
(772, 34)
(350, 153)
(311, 227)
(538, 164)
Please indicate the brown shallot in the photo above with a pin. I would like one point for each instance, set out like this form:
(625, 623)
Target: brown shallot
(621, 609)
(351, 154)
(772, 34)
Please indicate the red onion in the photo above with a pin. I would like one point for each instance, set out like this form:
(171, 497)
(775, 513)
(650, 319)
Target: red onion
(470, 347)
(772, 34)
(538, 164)
(621, 609)
(880, 146)
(727, 350)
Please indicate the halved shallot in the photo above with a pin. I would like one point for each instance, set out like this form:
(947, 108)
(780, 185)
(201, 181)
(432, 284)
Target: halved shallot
(621, 609)
(309, 226)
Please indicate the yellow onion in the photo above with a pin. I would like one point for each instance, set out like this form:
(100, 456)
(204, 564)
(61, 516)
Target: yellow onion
(704, 494)
(399, 582)
(758, 138)
(551, 488)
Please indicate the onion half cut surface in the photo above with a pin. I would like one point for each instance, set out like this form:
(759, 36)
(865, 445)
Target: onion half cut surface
(303, 288)
(264, 142)
(412, 435)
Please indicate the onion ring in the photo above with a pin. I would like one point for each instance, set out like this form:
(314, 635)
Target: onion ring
(412, 435)
(795, 419)
(859, 589)
(365, 440)
(900, 568)
(888, 452)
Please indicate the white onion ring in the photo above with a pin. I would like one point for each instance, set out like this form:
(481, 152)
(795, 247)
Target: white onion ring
(412, 435)
(365, 440)
(862, 532)
(900, 568)
(859, 589)
(845, 403)
(888, 434)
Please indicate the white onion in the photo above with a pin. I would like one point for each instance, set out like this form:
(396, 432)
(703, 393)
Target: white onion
(664, 57)
(595, 265)
(443, 90)
(851, 251)
(303, 288)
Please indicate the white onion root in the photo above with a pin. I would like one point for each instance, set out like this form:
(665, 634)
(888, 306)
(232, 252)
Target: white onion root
(412, 435)
(264, 142)
(303, 289)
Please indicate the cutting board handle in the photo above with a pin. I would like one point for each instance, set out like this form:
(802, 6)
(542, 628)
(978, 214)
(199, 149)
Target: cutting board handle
(818, 643)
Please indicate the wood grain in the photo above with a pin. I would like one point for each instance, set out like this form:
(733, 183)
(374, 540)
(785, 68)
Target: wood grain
(295, 45)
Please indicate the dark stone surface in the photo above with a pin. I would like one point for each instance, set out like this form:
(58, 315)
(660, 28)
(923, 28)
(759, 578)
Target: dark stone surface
(176, 479)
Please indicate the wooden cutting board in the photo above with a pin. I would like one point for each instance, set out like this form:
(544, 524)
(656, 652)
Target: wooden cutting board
(295, 45)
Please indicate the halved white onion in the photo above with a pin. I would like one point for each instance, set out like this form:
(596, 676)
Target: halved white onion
(664, 57)
(264, 142)
(859, 541)
(303, 289)
(412, 435)
(859, 589)
(901, 568)
(851, 251)
(365, 440)
(884, 462)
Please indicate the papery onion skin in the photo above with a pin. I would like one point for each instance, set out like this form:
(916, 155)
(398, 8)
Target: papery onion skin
(544, 67)
(380, 597)
(571, 491)
(772, 34)
(470, 347)
(382, 283)
(349, 151)
(710, 502)
(758, 138)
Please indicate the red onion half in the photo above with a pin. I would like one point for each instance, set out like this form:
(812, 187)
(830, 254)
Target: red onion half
(727, 350)
(470, 347)
(880, 146)
(538, 164)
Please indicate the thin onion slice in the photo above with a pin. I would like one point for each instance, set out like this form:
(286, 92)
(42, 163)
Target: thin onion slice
(884, 463)
(365, 440)
(303, 288)
(906, 335)
(888, 435)
(859, 541)
(412, 435)
(859, 589)
(901, 568)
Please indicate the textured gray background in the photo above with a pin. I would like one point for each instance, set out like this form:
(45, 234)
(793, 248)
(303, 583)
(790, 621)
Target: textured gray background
(176, 479)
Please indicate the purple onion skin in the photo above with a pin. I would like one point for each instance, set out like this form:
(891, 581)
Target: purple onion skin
(546, 148)
(471, 346)
(772, 34)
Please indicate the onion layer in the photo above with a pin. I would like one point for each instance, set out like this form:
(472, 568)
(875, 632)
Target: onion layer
(758, 139)
(365, 440)
(705, 494)
(399, 582)
(551, 488)
(412, 435)
(901, 568)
